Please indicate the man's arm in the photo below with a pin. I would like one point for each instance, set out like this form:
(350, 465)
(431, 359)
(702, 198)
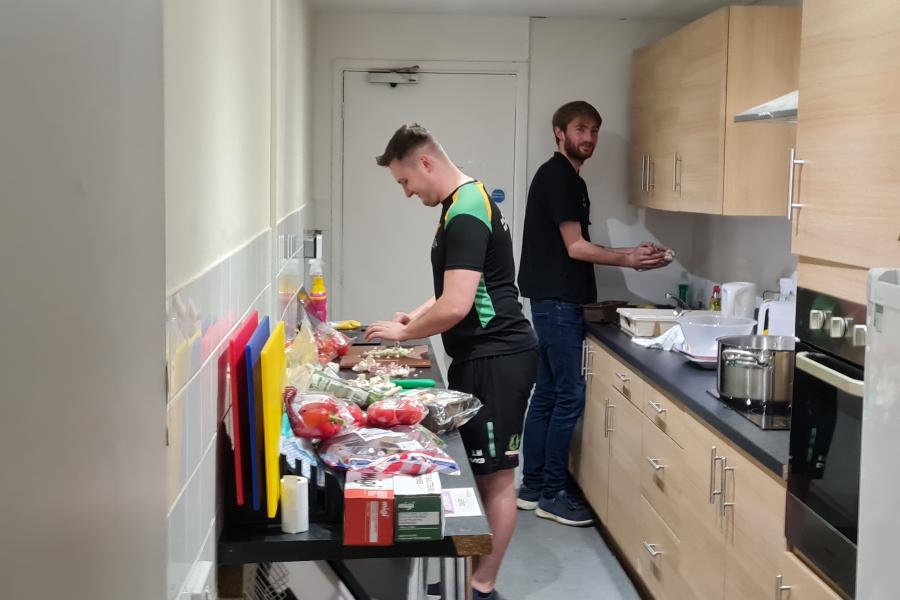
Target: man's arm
(445, 312)
(639, 257)
(402, 317)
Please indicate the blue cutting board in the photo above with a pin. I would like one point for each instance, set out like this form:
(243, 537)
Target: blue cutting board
(253, 352)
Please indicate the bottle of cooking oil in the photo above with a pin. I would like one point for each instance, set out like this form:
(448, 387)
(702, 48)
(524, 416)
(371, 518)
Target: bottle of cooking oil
(715, 301)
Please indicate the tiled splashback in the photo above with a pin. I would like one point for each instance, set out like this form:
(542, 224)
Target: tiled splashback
(201, 318)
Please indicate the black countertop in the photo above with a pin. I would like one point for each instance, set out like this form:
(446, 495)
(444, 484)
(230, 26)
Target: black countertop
(463, 536)
(674, 375)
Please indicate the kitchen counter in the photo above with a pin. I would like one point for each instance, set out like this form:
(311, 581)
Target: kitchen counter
(689, 384)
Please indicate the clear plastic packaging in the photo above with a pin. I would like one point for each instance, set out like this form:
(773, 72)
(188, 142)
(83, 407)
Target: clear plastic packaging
(398, 451)
(396, 411)
(318, 416)
(447, 409)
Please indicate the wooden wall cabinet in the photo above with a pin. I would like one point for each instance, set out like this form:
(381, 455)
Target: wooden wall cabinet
(687, 154)
(848, 134)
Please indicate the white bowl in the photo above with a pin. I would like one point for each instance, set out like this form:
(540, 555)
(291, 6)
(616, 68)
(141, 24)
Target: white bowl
(702, 331)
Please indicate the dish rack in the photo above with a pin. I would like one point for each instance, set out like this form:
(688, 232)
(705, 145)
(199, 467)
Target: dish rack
(270, 583)
(646, 322)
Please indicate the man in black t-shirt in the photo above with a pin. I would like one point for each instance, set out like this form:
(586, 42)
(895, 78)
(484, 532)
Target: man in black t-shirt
(557, 274)
(476, 309)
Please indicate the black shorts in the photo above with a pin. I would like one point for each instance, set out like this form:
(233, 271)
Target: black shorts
(503, 384)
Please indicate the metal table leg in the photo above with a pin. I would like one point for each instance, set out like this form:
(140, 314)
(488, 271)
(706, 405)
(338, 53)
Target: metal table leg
(448, 578)
(463, 578)
(415, 585)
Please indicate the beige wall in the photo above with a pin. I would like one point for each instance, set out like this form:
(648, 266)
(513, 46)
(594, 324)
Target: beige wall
(218, 99)
(82, 435)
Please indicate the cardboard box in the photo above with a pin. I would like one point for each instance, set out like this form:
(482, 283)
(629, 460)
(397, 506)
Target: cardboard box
(368, 510)
(419, 508)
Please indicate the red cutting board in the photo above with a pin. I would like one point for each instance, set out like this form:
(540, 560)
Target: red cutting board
(418, 359)
(238, 368)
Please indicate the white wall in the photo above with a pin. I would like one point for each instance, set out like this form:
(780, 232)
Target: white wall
(81, 251)
(397, 37)
(238, 162)
(590, 59)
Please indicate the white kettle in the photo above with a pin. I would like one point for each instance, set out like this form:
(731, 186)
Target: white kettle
(777, 317)
(738, 299)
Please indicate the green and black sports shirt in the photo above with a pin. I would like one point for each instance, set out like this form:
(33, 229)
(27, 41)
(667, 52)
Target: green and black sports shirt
(472, 235)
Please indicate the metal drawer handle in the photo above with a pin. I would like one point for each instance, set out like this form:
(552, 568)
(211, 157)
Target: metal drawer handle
(713, 459)
(780, 588)
(656, 406)
(654, 462)
(651, 549)
(623, 377)
(609, 415)
(583, 358)
(725, 471)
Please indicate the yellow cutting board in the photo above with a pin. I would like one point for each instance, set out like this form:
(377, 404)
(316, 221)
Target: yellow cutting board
(272, 371)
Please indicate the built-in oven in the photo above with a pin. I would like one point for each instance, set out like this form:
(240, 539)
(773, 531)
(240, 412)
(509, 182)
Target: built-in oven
(822, 516)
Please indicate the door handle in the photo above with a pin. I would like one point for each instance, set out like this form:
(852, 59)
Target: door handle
(713, 459)
(609, 421)
(724, 502)
(780, 588)
(676, 180)
(790, 195)
(656, 406)
(651, 549)
(589, 364)
(654, 462)
(650, 184)
(583, 357)
(643, 170)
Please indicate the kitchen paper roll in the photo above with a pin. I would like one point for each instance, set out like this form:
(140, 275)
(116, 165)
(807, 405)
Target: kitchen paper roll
(294, 504)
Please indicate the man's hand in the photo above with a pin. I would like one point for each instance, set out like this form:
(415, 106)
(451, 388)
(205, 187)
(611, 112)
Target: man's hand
(387, 330)
(648, 256)
(402, 318)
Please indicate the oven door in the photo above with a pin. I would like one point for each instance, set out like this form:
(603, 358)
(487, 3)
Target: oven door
(823, 482)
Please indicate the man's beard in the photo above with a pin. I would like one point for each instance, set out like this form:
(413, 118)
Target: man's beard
(573, 152)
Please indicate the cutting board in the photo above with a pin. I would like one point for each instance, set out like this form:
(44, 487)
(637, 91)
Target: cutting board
(254, 409)
(272, 365)
(239, 416)
(418, 358)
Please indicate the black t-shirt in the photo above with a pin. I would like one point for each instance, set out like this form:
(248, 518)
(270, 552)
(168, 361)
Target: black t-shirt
(473, 235)
(557, 195)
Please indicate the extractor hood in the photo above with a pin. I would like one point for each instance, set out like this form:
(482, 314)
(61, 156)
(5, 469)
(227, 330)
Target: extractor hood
(782, 110)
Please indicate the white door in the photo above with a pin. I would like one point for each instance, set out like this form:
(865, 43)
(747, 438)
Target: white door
(385, 264)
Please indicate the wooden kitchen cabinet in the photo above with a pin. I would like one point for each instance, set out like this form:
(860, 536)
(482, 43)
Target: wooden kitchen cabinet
(687, 89)
(589, 457)
(702, 532)
(624, 512)
(754, 506)
(659, 556)
(800, 581)
(662, 474)
(848, 134)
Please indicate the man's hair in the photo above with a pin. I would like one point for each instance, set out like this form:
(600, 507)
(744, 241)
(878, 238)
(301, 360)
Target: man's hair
(404, 141)
(570, 111)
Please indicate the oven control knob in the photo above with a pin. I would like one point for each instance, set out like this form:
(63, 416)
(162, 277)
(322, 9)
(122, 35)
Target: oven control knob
(859, 335)
(837, 327)
(816, 319)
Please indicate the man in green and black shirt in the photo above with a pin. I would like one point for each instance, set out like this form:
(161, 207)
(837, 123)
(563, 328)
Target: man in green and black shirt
(476, 309)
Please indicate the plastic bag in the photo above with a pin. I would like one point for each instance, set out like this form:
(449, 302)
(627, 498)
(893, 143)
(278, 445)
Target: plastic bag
(447, 409)
(396, 411)
(319, 416)
(325, 380)
(399, 451)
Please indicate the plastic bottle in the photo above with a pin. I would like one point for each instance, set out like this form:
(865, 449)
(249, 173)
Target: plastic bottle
(318, 295)
(684, 287)
(715, 302)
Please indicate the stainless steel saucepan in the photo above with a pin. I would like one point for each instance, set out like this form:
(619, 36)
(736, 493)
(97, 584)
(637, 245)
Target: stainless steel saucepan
(756, 368)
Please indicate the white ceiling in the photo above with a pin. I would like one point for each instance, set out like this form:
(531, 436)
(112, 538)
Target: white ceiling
(622, 9)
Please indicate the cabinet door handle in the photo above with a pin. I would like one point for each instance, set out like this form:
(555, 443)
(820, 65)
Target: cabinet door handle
(583, 357)
(654, 462)
(609, 415)
(713, 459)
(656, 406)
(589, 364)
(651, 549)
(643, 169)
(780, 588)
(724, 502)
(623, 377)
(790, 195)
(676, 180)
(650, 184)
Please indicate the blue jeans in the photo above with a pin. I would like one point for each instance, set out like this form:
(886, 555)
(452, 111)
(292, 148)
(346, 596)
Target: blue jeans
(558, 398)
